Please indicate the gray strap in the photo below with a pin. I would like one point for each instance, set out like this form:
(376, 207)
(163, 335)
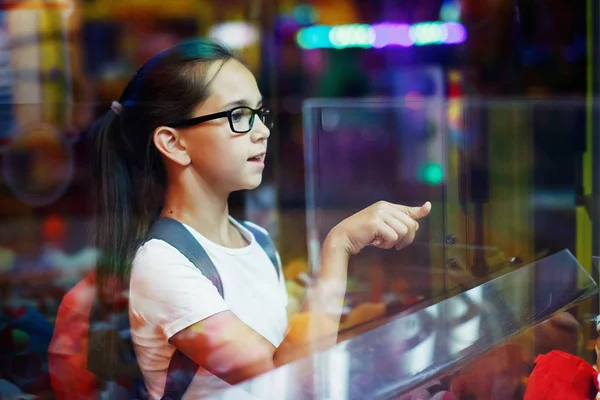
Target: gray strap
(265, 241)
(177, 235)
(182, 369)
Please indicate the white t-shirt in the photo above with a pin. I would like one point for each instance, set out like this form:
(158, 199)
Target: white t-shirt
(168, 294)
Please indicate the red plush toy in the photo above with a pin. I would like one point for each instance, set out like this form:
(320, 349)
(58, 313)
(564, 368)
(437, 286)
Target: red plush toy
(562, 376)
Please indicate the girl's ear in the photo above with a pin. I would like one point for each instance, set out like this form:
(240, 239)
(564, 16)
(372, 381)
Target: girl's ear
(167, 141)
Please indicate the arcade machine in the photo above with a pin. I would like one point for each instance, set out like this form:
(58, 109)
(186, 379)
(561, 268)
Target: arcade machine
(469, 305)
(483, 290)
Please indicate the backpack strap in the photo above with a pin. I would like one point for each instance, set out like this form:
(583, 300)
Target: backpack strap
(174, 233)
(264, 240)
(182, 369)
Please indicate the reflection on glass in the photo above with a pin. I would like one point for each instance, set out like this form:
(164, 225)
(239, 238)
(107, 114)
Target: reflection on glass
(416, 342)
(398, 357)
(464, 320)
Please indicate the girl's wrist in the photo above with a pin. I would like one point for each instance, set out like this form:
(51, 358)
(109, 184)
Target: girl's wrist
(330, 282)
(336, 243)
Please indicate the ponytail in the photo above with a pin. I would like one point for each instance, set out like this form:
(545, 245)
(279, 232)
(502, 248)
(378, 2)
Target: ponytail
(122, 206)
(122, 215)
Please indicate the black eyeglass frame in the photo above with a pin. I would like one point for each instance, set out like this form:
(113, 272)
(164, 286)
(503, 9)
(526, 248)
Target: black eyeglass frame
(262, 111)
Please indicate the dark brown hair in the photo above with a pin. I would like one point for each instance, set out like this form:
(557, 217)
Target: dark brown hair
(128, 173)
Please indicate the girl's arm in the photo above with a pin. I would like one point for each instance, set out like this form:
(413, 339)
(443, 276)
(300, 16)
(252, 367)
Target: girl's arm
(230, 349)
(227, 347)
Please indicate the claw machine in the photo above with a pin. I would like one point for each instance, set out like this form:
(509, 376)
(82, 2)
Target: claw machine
(471, 303)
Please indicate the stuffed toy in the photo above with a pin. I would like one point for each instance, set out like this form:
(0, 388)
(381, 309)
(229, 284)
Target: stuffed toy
(561, 376)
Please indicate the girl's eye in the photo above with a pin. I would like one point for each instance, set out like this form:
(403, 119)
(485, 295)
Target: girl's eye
(241, 119)
(241, 114)
(236, 115)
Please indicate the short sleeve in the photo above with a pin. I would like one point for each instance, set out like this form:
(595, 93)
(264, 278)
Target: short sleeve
(168, 291)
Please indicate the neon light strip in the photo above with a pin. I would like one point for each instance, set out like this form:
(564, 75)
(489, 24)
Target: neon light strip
(380, 35)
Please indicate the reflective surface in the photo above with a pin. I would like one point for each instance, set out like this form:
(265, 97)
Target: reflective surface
(416, 347)
(500, 174)
(500, 132)
(361, 151)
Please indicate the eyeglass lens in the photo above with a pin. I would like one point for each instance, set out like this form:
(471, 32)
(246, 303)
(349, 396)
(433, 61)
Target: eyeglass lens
(242, 118)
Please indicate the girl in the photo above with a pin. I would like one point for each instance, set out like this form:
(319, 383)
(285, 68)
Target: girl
(189, 129)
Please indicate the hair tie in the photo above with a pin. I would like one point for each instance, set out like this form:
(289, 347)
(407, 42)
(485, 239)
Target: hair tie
(116, 107)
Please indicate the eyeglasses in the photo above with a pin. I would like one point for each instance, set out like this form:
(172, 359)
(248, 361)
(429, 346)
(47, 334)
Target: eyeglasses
(241, 119)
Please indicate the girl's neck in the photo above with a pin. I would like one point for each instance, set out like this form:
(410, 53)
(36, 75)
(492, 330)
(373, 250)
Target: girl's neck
(204, 210)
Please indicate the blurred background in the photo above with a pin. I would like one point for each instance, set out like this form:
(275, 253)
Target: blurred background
(487, 108)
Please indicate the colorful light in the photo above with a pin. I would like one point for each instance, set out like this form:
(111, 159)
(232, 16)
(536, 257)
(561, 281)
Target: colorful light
(380, 35)
(432, 174)
(237, 35)
(356, 35)
(455, 108)
(450, 11)
(306, 14)
(428, 33)
(315, 37)
(387, 34)
(456, 33)
(413, 100)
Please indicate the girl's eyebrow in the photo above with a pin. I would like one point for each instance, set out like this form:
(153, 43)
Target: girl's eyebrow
(241, 102)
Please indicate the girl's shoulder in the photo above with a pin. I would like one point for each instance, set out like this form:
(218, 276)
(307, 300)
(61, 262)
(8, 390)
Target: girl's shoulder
(157, 254)
(159, 267)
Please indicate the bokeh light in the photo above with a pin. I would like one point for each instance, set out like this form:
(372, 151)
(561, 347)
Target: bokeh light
(381, 35)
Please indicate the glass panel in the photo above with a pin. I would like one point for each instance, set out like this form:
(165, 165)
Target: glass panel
(359, 152)
(431, 342)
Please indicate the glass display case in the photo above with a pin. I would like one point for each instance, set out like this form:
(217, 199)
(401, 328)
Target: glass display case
(361, 152)
(483, 288)
(480, 162)
(428, 347)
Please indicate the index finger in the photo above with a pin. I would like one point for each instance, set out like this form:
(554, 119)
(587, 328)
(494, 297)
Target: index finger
(416, 212)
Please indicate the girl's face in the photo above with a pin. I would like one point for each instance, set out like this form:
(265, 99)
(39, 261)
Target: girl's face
(225, 160)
